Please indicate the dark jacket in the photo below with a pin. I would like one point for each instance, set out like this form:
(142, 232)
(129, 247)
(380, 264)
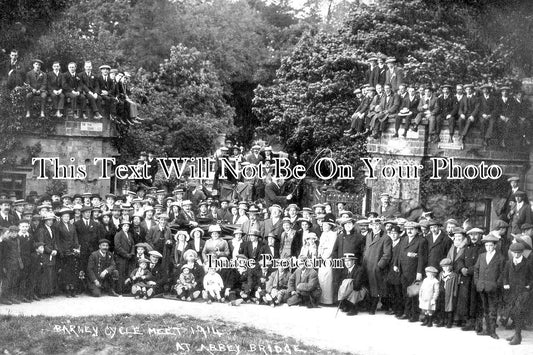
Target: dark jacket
(438, 250)
(412, 258)
(488, 277)
(98, 263)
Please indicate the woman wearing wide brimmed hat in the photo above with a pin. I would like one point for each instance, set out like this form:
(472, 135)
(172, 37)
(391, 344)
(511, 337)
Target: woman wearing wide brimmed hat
(325, 249)
(215, 246)
(69, 252)
(124, 254)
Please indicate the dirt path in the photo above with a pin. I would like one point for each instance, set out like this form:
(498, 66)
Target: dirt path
(362, 334)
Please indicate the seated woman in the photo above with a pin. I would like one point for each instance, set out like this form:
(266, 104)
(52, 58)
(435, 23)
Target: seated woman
(190, 260)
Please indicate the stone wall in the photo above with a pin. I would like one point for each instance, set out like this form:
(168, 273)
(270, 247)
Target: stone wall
(80, 140)
(415, 150)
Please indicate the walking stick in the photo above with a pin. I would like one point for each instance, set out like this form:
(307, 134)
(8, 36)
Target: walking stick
(338, 307)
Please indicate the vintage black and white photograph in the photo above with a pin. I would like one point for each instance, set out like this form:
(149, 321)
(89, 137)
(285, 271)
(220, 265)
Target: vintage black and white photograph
(266, 177)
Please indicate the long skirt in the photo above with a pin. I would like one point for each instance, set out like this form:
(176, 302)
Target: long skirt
(69, 269)
(325, 279)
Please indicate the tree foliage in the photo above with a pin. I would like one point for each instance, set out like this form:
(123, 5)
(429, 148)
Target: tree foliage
(311, 100)
(184, 108)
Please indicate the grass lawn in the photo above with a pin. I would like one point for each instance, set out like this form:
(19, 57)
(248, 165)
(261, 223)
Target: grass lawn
(138, 334)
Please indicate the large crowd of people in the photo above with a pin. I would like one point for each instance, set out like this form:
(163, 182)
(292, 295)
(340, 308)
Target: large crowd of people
(89, 95)
(502, 116)
(157, 243)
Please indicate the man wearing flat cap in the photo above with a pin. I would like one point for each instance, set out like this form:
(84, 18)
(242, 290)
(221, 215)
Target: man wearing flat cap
(520, 215)
(88, 235)
(376, 259)
(468, 111)
(487, 273)
(468, 300)
(36, 79)
(101, 271)
(514, 182)
(385, 208)
(411, 263)
(517, 284)
(438, 243)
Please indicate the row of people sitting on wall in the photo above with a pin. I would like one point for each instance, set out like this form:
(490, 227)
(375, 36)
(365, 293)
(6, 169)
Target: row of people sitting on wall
(472, 276)
(91, 95)
(501, 117)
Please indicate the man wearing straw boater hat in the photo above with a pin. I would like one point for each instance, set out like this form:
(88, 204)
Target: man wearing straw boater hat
(351, 290)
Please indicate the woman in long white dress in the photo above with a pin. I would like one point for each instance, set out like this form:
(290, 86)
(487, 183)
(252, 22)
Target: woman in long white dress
(325, 272)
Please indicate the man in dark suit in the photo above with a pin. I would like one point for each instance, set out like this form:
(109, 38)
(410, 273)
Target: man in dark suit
(448, 108)
(26, 281)
(18, 210)
(348, 241)
(438, 244)
(253, 248)
(468, 299)
(186, 218)
(373, 71)
(487, 110)
(11, 266)
(15, 75)
(377, 255)
(88, 237)
(106, 87)
(468, 111)
(72, 88)
(36, 80)
(487, 277)
(390, 105)
(381, 72)
(54, 85)
(358, 117)
(505, 117)
(90, 89)
(459, 99)
(411, 263)
(520, 215)
(428, 107)
(101, 270)
(272, 246)
(408, 107)
(273, 193)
